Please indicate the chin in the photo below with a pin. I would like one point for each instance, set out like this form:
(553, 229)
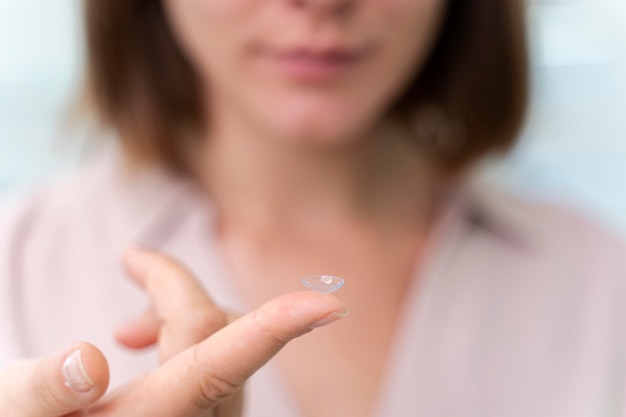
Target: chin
(328, 125)
(325, 133)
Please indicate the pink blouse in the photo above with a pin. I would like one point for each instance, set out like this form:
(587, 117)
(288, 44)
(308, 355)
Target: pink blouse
(520, 310)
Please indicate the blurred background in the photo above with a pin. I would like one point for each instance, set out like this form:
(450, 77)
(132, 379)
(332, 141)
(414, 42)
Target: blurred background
(573, 148)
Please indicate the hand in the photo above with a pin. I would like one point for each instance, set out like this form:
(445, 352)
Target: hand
(205, 360)
(204, 379)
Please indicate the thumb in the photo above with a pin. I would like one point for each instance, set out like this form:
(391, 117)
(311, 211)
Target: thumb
(54, 385)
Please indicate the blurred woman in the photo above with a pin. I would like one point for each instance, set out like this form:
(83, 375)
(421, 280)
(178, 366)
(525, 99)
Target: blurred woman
(261, 141)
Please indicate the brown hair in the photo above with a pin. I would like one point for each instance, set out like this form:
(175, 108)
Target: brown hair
(469, 98)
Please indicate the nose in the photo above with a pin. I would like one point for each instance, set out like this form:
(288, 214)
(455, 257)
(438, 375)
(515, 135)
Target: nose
(334, 7)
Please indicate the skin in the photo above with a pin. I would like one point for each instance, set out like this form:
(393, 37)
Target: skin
(228, 41)
(200, 377)
(304, 181)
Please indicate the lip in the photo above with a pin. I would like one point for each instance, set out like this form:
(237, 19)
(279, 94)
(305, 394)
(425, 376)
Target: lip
(316, 64)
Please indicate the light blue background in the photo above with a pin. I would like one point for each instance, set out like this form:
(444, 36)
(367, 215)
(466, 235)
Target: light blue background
(574, 146)
(39, 72)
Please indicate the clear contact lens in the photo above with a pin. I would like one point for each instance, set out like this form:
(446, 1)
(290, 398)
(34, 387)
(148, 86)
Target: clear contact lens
(323, 283)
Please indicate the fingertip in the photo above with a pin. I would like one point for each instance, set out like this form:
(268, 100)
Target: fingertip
(297, 313)
(137, 260)
(96, 366)
(313, 303)
(140, 332)
(86, 370)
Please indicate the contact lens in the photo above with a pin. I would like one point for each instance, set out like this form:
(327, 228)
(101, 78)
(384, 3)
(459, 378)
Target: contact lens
(323, 283)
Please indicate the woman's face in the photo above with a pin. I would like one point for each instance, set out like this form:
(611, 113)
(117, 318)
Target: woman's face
(310, 71)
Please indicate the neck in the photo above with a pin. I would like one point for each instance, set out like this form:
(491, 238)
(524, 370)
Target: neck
(265, 184)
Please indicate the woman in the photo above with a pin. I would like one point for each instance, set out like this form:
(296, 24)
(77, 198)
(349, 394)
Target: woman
(263, 141)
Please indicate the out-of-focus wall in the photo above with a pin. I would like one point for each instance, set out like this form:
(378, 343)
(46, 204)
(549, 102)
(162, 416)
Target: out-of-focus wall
(40, 51)
(574, 145)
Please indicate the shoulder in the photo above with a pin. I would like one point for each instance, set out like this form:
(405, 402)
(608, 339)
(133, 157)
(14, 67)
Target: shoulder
(59, 209)
(103, 192)
(99, 207)
(552, 233)
(55, 206)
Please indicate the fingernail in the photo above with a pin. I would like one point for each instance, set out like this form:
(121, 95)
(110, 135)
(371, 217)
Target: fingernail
(331, 318)
(75, 375)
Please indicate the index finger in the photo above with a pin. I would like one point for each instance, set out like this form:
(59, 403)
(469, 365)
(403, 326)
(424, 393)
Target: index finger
(202, 376)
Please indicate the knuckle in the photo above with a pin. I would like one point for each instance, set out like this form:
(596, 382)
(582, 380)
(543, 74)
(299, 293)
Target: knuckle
(199, 321)
(275, 338)
(212, 388)
(207, 318)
